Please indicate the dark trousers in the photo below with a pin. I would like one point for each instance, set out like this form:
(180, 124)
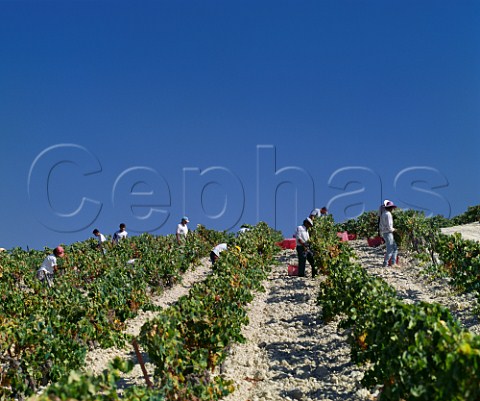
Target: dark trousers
(213, 257)
(302, 259)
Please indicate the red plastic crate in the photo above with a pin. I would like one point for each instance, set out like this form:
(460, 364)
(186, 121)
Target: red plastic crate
(375, 241)
(293, 270)
(287, 243)
(343, 236)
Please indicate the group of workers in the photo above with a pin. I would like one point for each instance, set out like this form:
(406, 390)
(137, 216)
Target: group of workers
(385, 227)
(49, 267)
(304, 253)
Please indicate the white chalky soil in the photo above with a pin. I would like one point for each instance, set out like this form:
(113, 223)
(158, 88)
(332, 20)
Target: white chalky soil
(290, 354)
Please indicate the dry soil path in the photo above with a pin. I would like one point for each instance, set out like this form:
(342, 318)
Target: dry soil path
(290, 354)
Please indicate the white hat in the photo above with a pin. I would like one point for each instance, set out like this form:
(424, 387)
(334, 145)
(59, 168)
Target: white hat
(388, 203)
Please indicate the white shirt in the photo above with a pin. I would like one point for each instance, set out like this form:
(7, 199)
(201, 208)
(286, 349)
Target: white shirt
(182, 229)
(315, 212)
(302, 235)
(101, 238)
(219, 248)
(119, 235)
(243, 229)
(386, 222)
(48, 263)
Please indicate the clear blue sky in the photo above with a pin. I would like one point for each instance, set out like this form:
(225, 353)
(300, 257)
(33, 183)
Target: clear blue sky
(232, 112)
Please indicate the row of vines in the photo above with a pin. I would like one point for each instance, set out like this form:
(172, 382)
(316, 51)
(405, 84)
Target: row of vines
(410, 351)
(421, 237)
(46, 332)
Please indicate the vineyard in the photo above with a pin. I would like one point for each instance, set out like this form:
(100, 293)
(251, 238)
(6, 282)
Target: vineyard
(398, 350)
(412, 350)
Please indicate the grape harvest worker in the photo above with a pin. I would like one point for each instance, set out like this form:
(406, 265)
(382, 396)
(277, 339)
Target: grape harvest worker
(215, 253)
(182, 230)
(120, 234)
(243, 229)
(217, 250)
(49, 267)
(100, 237)
(314, 213)
(304, 252)
(386, 231)
(318, 213)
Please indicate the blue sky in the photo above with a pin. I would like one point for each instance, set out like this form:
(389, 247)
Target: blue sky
(232, 112)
